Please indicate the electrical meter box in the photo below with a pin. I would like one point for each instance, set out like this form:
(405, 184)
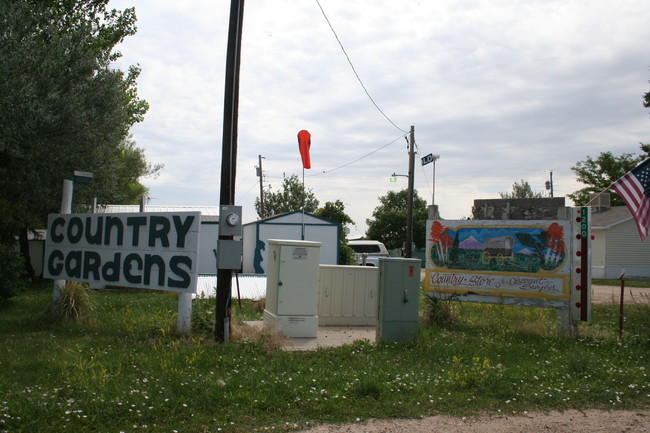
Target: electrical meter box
(399, 299)
(292, 287)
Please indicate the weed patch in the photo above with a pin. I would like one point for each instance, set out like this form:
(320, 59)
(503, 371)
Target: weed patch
(74, 304)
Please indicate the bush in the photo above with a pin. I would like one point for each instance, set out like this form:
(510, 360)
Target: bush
(346, 255)
(439, 312)
(75, 303)
(12, 272)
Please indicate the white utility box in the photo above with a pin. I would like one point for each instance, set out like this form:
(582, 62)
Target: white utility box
(292, 287)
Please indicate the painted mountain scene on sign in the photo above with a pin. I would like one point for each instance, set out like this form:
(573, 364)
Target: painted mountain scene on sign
(529, 249)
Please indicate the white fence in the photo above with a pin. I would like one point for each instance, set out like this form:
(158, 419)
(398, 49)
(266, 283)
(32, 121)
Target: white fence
(348, 295)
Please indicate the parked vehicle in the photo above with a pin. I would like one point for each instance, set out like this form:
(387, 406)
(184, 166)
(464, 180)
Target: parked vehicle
(367, 253)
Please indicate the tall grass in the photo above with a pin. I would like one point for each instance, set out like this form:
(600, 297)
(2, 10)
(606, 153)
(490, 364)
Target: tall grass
(74, 304)
(128, 371)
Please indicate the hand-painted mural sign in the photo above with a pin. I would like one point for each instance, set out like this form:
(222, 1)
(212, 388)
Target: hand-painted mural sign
(144, 250)
(500, 258)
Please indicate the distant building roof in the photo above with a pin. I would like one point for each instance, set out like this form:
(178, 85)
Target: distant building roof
(208, 213)
(291, 214)
(610, 217)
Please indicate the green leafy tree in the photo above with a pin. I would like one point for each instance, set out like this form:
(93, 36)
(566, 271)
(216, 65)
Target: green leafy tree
(388, 224)
(335, 212)
(291, 197)
(599, 173)
(63, 108)
(521, 190)
(646, 100)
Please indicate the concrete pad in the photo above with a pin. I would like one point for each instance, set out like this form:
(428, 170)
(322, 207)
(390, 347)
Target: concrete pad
(328, 336)
(332, 336)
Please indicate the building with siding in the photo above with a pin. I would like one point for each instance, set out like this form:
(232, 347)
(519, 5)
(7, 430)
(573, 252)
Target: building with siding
(292, 225)
(617, 245)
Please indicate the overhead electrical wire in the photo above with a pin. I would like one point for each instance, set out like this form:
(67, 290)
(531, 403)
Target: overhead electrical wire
(355, 71)
(424, 174)
(358, 159)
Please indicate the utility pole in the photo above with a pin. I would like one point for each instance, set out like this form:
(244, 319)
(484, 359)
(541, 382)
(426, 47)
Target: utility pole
(408, 250)
(229, 159)
(549, 184)
(259, 173)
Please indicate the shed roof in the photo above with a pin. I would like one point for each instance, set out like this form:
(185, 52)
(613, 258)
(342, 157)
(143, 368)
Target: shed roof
(208, 213)
(286, 215)
(610, 217)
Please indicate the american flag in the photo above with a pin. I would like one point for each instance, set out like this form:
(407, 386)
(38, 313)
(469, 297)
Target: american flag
(634, 188)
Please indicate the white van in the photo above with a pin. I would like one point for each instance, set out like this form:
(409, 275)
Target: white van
(367, 253)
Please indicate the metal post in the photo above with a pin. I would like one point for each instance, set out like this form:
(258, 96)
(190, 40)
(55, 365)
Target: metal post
(408, 250)
(66, 208)
(434, 212)
(229, 158)
(433, 195)
(620, 311)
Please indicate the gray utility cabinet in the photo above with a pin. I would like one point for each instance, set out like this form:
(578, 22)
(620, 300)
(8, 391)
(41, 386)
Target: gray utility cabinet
(399, 299)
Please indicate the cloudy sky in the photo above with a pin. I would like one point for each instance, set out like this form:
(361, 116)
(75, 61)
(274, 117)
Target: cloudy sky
(501, 90)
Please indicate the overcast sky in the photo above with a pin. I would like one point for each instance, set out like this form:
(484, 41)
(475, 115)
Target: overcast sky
(501, 90)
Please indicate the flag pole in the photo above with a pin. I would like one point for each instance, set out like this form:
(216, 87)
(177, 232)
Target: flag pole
(599, 194)
(304, 143)
(303, 202)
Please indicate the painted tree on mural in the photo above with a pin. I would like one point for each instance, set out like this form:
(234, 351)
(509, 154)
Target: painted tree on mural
(439, 235)
(555, 247)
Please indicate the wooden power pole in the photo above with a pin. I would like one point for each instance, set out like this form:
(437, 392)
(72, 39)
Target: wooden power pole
(229, 159)
(261, 175)
(408, 250)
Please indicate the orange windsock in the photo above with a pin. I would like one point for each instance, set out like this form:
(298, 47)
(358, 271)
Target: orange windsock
(304, 143)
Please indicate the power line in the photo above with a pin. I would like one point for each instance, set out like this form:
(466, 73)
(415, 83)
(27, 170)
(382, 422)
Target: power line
(358, 159)
(354, 70)
(424, 174)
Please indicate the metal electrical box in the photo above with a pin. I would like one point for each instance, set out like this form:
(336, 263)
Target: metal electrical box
(292, 287)
(399, 299)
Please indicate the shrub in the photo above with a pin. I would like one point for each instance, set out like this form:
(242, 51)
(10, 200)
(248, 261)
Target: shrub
(75, 303)
(12, 272)
(439, 311)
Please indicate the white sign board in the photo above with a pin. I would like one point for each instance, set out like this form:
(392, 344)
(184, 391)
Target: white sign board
(523, 259)
(143, 250)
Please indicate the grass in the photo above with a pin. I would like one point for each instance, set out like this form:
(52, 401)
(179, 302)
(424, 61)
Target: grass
(126, 370)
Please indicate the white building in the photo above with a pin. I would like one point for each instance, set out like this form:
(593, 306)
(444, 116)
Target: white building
(293, 226)
(617, 245)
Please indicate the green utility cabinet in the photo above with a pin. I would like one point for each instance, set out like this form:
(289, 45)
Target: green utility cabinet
(399, 299)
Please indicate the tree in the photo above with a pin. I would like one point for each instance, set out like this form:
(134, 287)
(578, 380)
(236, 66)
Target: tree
(291, 197)
(63, 108)
(599, 174)
(335, 212)
(646, 100)
(521, 190)
(389, 223)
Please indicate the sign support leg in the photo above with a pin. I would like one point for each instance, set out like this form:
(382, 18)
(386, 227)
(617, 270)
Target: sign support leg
(66, 208)
(184, 323)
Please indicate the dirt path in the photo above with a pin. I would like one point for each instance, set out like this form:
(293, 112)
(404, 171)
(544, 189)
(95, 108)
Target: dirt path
(606, 294)
(589, 421)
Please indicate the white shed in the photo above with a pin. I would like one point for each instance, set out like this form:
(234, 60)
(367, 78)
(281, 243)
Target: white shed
(293, 226)
(617, 245)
